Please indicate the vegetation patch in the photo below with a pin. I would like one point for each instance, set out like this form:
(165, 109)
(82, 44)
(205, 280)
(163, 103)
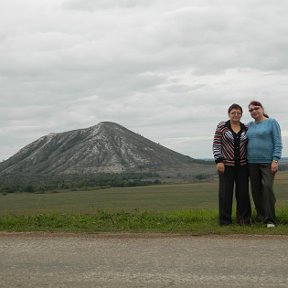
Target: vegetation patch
(44, 183)
(196, 222)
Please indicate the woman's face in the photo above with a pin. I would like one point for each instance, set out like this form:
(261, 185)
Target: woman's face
(235, 115)
(255, 111)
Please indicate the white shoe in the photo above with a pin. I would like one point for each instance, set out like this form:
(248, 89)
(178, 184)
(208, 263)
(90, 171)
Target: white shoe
(270, 225)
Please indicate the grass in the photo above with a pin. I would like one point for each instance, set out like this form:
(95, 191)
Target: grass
(196, 222)
(181, 208)
(106, 221)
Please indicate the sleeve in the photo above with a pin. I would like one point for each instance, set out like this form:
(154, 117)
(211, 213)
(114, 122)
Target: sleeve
(217, 143)
(277, 141)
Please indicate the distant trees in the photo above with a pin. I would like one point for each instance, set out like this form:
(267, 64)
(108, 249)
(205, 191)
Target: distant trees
(202, 176)
(74, 182)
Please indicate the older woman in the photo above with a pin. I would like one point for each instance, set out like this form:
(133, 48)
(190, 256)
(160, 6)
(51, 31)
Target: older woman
(229, 149)
(264, 152)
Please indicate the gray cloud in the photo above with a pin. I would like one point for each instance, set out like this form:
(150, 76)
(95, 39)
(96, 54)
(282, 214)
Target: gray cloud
(90, 5)
(165, 69)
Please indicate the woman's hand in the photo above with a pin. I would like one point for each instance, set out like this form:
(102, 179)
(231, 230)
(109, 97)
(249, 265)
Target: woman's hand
(274, 167)
(220, 167)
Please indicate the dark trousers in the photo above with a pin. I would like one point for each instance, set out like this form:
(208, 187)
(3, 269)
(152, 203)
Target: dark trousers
(261, 180)
(237, 176)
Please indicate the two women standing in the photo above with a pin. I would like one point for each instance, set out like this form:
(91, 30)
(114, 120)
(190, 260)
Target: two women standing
(232, 139)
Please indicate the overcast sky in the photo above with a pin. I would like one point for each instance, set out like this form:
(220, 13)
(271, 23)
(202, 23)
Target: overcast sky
(165, 69)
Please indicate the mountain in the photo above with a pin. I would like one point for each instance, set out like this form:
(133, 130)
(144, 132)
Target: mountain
(104, 148)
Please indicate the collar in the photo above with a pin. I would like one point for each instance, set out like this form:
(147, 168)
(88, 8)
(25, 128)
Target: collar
(242, 126)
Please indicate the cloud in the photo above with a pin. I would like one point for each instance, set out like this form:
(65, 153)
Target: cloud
(90, 5)
(165, 69)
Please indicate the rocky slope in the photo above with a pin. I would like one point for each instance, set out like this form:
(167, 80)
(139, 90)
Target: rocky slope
(104, 148)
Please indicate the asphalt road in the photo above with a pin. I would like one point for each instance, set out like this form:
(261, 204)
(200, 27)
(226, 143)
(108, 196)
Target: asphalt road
(142, 260)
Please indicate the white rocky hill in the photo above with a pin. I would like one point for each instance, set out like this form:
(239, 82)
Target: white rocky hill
(104, 148)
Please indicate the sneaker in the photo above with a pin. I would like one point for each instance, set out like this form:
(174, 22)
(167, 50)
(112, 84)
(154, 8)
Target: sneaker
(270, 225)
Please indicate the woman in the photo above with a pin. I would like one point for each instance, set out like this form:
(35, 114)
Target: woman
(229, 149)
(264, 152)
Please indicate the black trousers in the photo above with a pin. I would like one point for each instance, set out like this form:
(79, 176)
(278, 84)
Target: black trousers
(262, 180)
(234, 176)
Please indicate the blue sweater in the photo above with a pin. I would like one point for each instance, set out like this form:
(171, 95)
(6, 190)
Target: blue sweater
(264, 141)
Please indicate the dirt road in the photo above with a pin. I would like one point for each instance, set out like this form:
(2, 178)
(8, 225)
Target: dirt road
(142, 260)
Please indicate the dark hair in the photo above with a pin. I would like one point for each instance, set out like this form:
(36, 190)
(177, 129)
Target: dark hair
(257, 103)
(235, 106)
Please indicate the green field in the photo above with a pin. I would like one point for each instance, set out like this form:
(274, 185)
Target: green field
(144, 198)
(155, 198)
(181, 208)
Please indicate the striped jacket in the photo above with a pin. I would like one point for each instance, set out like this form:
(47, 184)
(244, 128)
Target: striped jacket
(229, 147)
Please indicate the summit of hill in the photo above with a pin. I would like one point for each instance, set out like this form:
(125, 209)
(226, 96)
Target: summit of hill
(104, 148)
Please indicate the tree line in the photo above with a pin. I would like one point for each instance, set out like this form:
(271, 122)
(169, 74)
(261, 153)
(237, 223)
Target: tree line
(28, 183)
